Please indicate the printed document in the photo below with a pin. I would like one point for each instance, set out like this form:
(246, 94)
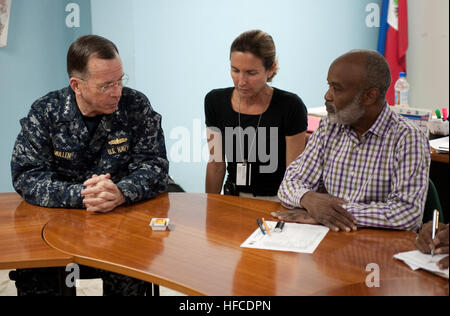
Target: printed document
(301, 238)
(417, 260)
(440, 144)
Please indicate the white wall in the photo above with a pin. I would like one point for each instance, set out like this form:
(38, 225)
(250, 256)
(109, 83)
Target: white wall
(114, 20)
(428, 54)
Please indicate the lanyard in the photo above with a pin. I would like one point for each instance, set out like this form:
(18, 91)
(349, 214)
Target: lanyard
(257, 128)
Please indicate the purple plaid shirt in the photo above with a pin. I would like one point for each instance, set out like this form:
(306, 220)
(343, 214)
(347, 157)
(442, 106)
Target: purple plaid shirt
(383, 177)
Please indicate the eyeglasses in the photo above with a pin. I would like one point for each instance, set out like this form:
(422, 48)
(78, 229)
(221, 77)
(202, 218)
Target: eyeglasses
(108, 87)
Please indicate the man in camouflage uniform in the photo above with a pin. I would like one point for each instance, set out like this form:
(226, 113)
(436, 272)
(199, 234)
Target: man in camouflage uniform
(94, 145)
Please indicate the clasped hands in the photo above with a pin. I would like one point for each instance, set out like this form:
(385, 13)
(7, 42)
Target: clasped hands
(321, 208)
(101, 194)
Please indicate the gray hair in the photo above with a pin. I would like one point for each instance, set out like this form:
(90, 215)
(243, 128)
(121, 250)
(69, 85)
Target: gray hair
(377, 72)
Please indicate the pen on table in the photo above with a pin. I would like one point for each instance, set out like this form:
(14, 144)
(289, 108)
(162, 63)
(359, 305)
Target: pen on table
(444, 114)
(265, 226)
(435, 227)
(260, 224)
(279, 227)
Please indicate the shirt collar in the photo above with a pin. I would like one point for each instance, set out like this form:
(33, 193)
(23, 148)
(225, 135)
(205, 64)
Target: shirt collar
(380, 127)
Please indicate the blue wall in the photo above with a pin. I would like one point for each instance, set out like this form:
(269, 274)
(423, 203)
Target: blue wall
(175, 51)
(181, 51)
(32, 64)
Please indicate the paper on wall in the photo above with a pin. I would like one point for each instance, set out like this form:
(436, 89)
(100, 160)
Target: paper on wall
(5, 6)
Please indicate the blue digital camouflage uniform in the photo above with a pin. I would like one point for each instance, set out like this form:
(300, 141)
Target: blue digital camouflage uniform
(53, 155)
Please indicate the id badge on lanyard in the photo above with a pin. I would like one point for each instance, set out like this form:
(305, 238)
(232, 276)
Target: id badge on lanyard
(243, 174)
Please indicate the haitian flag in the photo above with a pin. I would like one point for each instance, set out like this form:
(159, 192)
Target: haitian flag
(393, 39)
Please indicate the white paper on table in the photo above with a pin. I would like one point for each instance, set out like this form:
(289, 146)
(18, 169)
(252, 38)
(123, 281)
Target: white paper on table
(416, 259)
(301, 238)
(440, 144)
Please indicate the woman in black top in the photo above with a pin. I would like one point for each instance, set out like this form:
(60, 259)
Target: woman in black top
(258, 129)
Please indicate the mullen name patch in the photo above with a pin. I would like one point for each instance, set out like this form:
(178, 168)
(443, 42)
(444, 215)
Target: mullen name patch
(63, 155)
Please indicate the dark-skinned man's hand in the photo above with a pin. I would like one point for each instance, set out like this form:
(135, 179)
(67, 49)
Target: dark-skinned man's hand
(328, 210)
(425, 244)
(294, 216)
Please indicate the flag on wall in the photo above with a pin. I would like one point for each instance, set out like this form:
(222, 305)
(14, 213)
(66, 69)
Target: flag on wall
(393, 39)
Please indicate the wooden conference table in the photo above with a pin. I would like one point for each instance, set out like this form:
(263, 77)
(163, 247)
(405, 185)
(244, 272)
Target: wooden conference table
(202, 254)
(439, 157)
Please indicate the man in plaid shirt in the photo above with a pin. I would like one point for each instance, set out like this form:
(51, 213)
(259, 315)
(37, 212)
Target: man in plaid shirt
(365, 166)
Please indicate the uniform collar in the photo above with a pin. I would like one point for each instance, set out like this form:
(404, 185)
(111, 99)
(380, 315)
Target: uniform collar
(69, 110)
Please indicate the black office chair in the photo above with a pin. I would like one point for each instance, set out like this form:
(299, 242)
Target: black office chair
(172, 186)
(432, 203)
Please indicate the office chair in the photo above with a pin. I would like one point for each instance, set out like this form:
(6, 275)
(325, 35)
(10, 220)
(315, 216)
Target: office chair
(172, 186)
(432, 203)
